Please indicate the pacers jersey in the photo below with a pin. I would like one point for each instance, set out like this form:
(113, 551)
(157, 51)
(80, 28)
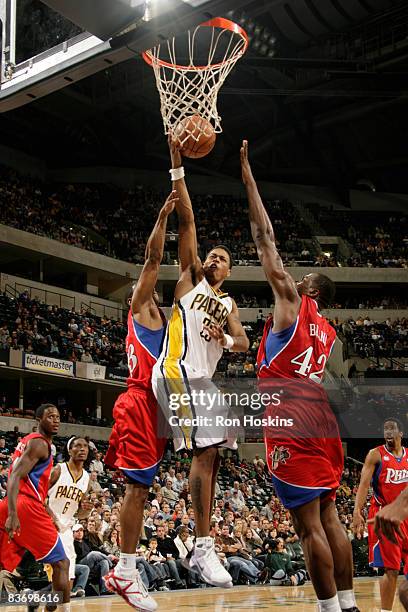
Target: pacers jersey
(143, 347)
(300, 351)
(188, 349)
(65, 495)
(390, 477)
(35, 484)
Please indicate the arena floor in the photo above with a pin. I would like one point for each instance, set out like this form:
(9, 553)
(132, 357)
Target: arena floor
(238, 599)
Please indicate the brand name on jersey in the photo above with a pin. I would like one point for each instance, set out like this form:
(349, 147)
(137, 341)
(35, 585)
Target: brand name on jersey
(318, 333)
(69, 493)
(211, 306)
(396, 476)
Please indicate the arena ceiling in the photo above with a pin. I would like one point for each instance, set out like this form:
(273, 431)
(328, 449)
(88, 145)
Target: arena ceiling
(321, 95)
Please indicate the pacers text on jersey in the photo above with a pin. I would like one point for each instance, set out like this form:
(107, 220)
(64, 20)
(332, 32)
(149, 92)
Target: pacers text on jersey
(211, 306)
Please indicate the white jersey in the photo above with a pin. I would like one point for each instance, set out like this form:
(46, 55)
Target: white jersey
(64, 497)
(188, 349)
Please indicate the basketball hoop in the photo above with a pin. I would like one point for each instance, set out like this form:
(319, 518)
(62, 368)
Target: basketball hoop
(192, 88)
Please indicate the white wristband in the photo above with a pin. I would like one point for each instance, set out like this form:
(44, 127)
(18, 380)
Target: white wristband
(177, 173)
(229, 342)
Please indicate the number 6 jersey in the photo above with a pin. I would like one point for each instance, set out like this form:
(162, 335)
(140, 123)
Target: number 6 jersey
(64, 497)
(300, 351)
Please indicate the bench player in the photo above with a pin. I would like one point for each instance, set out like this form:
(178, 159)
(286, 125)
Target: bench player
(134, 446)
(193, 345)
(68, 485)
(24, 521)
(386, 467)
(306, 460)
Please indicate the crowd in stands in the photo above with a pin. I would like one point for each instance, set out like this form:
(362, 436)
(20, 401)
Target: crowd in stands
(31, 325)
(116, 223)
(378, 239)
(41, 329)
(368, 338)
(253, 532)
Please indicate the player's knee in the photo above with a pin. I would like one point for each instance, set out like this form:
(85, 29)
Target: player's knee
(137, 491)
(61, 567)
(206, 457)
(308, 530)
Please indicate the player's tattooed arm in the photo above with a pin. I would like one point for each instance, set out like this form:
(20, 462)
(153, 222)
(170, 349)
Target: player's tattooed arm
(263, 235)
(372, 460)
(37, 450)
(188, 251)
(143, 292)
(235, 330)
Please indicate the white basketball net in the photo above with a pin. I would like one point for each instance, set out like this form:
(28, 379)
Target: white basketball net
(191, 89)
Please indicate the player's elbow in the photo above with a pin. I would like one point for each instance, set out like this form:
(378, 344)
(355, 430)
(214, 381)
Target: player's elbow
(263, 237)
(154, 257)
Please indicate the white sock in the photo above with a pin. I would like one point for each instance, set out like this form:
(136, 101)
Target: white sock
(382, 610)
(329, 605)
(66, 607)
(347, 599)
(126, 564)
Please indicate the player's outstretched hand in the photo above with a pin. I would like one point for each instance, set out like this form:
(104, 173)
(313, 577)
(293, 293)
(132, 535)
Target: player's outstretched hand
(388, 520)
(247, 176)
(12, 526)
(175, 152)
(216, 332)
(169, 204)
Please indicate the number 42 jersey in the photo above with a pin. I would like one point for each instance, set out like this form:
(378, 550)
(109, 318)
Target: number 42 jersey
(300, 351)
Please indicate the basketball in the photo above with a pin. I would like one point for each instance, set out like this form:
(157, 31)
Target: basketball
(197, 136)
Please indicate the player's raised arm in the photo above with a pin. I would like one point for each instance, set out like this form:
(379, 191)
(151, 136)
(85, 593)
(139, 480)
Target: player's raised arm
(188, 252)
(143, 292)
(372, 460)
(236, 340)
(37, 450)
(283, 285)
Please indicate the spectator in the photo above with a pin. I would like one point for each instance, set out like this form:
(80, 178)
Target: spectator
(97, 561)
(93, 482)
(97, 465)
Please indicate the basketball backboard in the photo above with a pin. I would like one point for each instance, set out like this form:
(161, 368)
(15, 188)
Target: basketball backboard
(107, 32)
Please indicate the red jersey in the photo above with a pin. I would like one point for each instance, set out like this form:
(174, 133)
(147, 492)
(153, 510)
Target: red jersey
(390, 477)
(300, 351)
(143, 346)
(35, 484)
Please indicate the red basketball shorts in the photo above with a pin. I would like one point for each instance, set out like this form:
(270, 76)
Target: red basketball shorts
(305, 459)
(382, 552)
(38, 534)
(134, 445)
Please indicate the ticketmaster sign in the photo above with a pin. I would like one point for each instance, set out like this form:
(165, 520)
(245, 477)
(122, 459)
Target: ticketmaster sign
(48, 364)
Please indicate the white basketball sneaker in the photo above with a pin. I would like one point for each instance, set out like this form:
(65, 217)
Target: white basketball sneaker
(205, 561)
(132, 590)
